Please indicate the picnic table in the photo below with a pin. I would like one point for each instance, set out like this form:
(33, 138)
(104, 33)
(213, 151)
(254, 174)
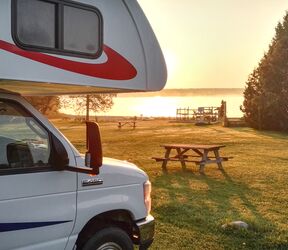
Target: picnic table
(127, 123)
(201, 155)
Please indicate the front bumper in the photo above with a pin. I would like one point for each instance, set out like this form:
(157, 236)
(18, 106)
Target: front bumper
(146, 230)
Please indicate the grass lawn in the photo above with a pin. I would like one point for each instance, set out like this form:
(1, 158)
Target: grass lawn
(189, 207)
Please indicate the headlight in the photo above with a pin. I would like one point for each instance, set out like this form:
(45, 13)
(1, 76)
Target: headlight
(147, 195)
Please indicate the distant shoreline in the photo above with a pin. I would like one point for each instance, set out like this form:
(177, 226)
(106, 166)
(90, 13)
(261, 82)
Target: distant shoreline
(187, 92)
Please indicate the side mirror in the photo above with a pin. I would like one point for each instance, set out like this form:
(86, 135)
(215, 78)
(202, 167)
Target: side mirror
(93, 157)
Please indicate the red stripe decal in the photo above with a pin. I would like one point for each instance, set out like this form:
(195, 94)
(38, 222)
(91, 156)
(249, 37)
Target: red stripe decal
(115, 68)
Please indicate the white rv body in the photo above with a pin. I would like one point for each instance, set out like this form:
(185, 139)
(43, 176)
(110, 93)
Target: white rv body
(48, 209)
(131, 59)
(48, 198)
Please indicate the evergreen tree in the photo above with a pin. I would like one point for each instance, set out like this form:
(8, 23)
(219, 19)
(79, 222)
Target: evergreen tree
(265, 103)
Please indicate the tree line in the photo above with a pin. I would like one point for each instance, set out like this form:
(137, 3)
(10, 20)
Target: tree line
(50, 105)
(265, 103)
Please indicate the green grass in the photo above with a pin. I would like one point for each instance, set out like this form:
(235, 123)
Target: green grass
(189, 207)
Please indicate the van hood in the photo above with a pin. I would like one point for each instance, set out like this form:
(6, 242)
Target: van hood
(113, 173)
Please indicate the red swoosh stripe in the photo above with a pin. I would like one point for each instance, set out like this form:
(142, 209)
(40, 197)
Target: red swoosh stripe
(115, 68)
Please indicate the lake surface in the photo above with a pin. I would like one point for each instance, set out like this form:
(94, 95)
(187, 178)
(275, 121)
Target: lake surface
(166, 105)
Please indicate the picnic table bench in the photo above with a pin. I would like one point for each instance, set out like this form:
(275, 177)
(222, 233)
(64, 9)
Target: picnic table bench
(126, 123)
(201, 155)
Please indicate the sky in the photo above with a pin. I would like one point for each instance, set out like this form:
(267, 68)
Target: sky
(213, 43)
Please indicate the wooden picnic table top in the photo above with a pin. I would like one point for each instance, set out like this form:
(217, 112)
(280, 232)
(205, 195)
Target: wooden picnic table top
(127, 121)
(192, 146)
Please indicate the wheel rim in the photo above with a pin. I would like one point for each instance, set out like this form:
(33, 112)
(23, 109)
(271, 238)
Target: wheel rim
(109, 246)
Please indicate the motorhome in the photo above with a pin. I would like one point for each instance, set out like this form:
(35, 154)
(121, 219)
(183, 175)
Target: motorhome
(52, 196)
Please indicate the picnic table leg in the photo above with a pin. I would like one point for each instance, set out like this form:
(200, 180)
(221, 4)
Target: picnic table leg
(203, 161)
(181, 158)
(218, 159)
(164, 163)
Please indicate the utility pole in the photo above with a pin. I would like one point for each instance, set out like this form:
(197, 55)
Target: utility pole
(87, 107)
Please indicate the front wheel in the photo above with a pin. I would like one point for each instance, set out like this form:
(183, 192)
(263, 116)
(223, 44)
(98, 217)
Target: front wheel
(110, 238)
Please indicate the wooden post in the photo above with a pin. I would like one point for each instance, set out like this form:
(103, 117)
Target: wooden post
(225, 109)
(225, 119)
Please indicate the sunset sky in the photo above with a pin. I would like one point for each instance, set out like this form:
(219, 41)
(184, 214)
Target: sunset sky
(213, 43)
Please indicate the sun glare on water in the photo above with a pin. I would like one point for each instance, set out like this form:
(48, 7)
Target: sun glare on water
(156, 106)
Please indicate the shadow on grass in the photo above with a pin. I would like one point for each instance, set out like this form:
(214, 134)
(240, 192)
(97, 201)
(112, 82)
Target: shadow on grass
(202, 204)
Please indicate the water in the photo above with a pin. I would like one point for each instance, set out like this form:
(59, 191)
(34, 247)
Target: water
(165, 106)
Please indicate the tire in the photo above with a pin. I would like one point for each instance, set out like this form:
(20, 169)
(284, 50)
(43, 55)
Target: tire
(110, 238)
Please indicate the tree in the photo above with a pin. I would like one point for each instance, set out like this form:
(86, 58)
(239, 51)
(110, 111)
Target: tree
(47, 105)
(93, 102)
(265, 103)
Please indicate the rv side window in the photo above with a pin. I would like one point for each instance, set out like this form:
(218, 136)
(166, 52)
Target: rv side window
(78, 36)
(57, 26)
(40, 33)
